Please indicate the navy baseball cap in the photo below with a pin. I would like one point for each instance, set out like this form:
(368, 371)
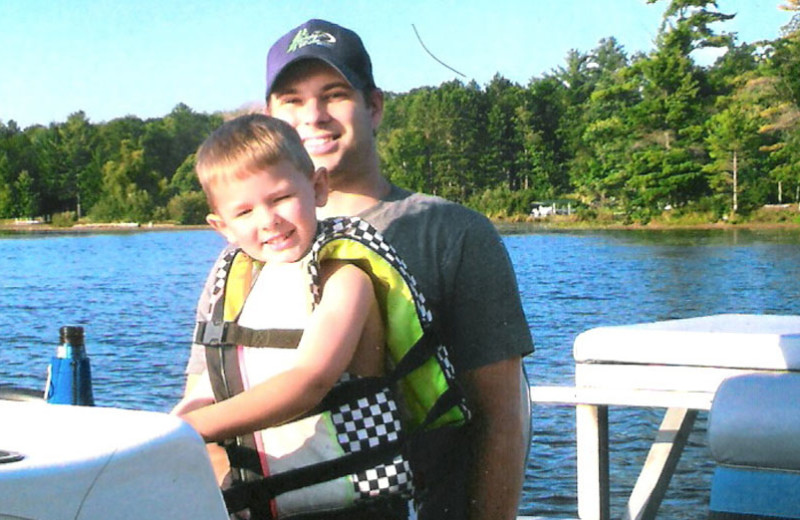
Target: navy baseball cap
(340, 48)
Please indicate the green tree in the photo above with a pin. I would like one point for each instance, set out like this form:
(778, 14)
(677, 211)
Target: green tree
(668, 122)
(27, 198)
(732, 139)
(80, 177)
(599, 165)
(122, 197)
(460, 136)
(542, 163)
(156, 143)
(185, 178)
(188, 208)
(438, 145)
(405, 158)
(112, 134)
(20, 154)
(6, 195)
(778, 92)
(686, 26)
(504, 138)
(406, 140)
(187, 129)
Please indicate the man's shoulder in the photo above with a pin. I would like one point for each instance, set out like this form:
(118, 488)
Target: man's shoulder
(424, 209)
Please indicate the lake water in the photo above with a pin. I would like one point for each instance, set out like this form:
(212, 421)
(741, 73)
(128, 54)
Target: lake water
(135, 293)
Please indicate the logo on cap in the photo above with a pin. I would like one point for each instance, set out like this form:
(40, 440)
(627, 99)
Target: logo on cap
(303, 38)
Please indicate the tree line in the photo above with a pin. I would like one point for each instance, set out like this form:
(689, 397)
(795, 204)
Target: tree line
(626, 136)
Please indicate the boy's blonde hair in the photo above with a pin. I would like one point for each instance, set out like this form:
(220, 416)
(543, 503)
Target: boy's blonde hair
(246, 145)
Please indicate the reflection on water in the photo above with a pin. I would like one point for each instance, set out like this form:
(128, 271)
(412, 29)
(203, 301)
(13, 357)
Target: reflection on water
(135, 295)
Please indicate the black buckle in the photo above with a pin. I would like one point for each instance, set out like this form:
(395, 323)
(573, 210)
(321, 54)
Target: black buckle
(211, 333)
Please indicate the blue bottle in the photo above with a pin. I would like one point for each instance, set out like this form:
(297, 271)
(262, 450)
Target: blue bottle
(69, 378)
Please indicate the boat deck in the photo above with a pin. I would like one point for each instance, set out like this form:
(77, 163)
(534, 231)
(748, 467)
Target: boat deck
(673, 364)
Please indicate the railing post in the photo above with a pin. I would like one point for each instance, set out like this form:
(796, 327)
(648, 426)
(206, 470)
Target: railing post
(660, 464)
(591, 427)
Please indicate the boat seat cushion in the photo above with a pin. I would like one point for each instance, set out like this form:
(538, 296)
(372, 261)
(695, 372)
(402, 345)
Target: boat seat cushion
(755, 421)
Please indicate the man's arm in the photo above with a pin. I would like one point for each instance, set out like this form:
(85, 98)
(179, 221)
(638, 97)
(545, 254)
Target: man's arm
(498, 441)
(492, 334)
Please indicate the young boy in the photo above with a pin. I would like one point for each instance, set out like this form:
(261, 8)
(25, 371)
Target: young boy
(263, 191)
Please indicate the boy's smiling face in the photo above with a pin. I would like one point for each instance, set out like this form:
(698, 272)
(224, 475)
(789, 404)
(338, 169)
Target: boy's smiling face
(270, 214)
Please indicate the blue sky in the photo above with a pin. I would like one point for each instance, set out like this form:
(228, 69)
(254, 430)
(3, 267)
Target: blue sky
(114, 58)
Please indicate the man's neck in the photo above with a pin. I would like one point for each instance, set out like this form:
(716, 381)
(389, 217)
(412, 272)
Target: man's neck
(352, 200)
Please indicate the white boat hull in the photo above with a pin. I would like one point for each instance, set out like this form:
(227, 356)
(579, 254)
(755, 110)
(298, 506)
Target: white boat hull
(91, 462)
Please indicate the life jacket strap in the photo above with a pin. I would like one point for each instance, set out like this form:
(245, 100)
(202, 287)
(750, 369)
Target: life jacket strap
(339, 395)
(240, 496)
(449, 399)
(241, 456)
(419, 354)
(223, 371)
(212, 334)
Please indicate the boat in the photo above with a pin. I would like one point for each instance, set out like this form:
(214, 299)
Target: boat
(61, 462)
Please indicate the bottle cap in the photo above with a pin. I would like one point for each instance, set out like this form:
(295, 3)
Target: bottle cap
(71, 334)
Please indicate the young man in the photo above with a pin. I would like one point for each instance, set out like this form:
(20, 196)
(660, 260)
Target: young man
(319, 80)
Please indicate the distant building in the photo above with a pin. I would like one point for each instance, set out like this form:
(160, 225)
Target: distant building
(551, 207)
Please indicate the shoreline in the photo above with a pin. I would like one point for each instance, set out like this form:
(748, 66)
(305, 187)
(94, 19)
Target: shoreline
(521, 227)
(503, 226)
(79, 229)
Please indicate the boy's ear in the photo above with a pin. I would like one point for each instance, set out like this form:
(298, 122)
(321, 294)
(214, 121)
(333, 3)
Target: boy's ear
(218, 224)
(320, 180)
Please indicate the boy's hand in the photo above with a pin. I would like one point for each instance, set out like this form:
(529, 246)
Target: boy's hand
(219, 461)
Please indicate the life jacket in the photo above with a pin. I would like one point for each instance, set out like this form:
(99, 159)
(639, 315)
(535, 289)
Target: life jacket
(420, 378)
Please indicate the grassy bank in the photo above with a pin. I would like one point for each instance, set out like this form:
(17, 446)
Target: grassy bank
(10, 227)
(769, 217)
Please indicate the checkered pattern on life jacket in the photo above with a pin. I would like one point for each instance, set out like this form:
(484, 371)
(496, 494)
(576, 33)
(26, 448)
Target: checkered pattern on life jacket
(368, 422)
